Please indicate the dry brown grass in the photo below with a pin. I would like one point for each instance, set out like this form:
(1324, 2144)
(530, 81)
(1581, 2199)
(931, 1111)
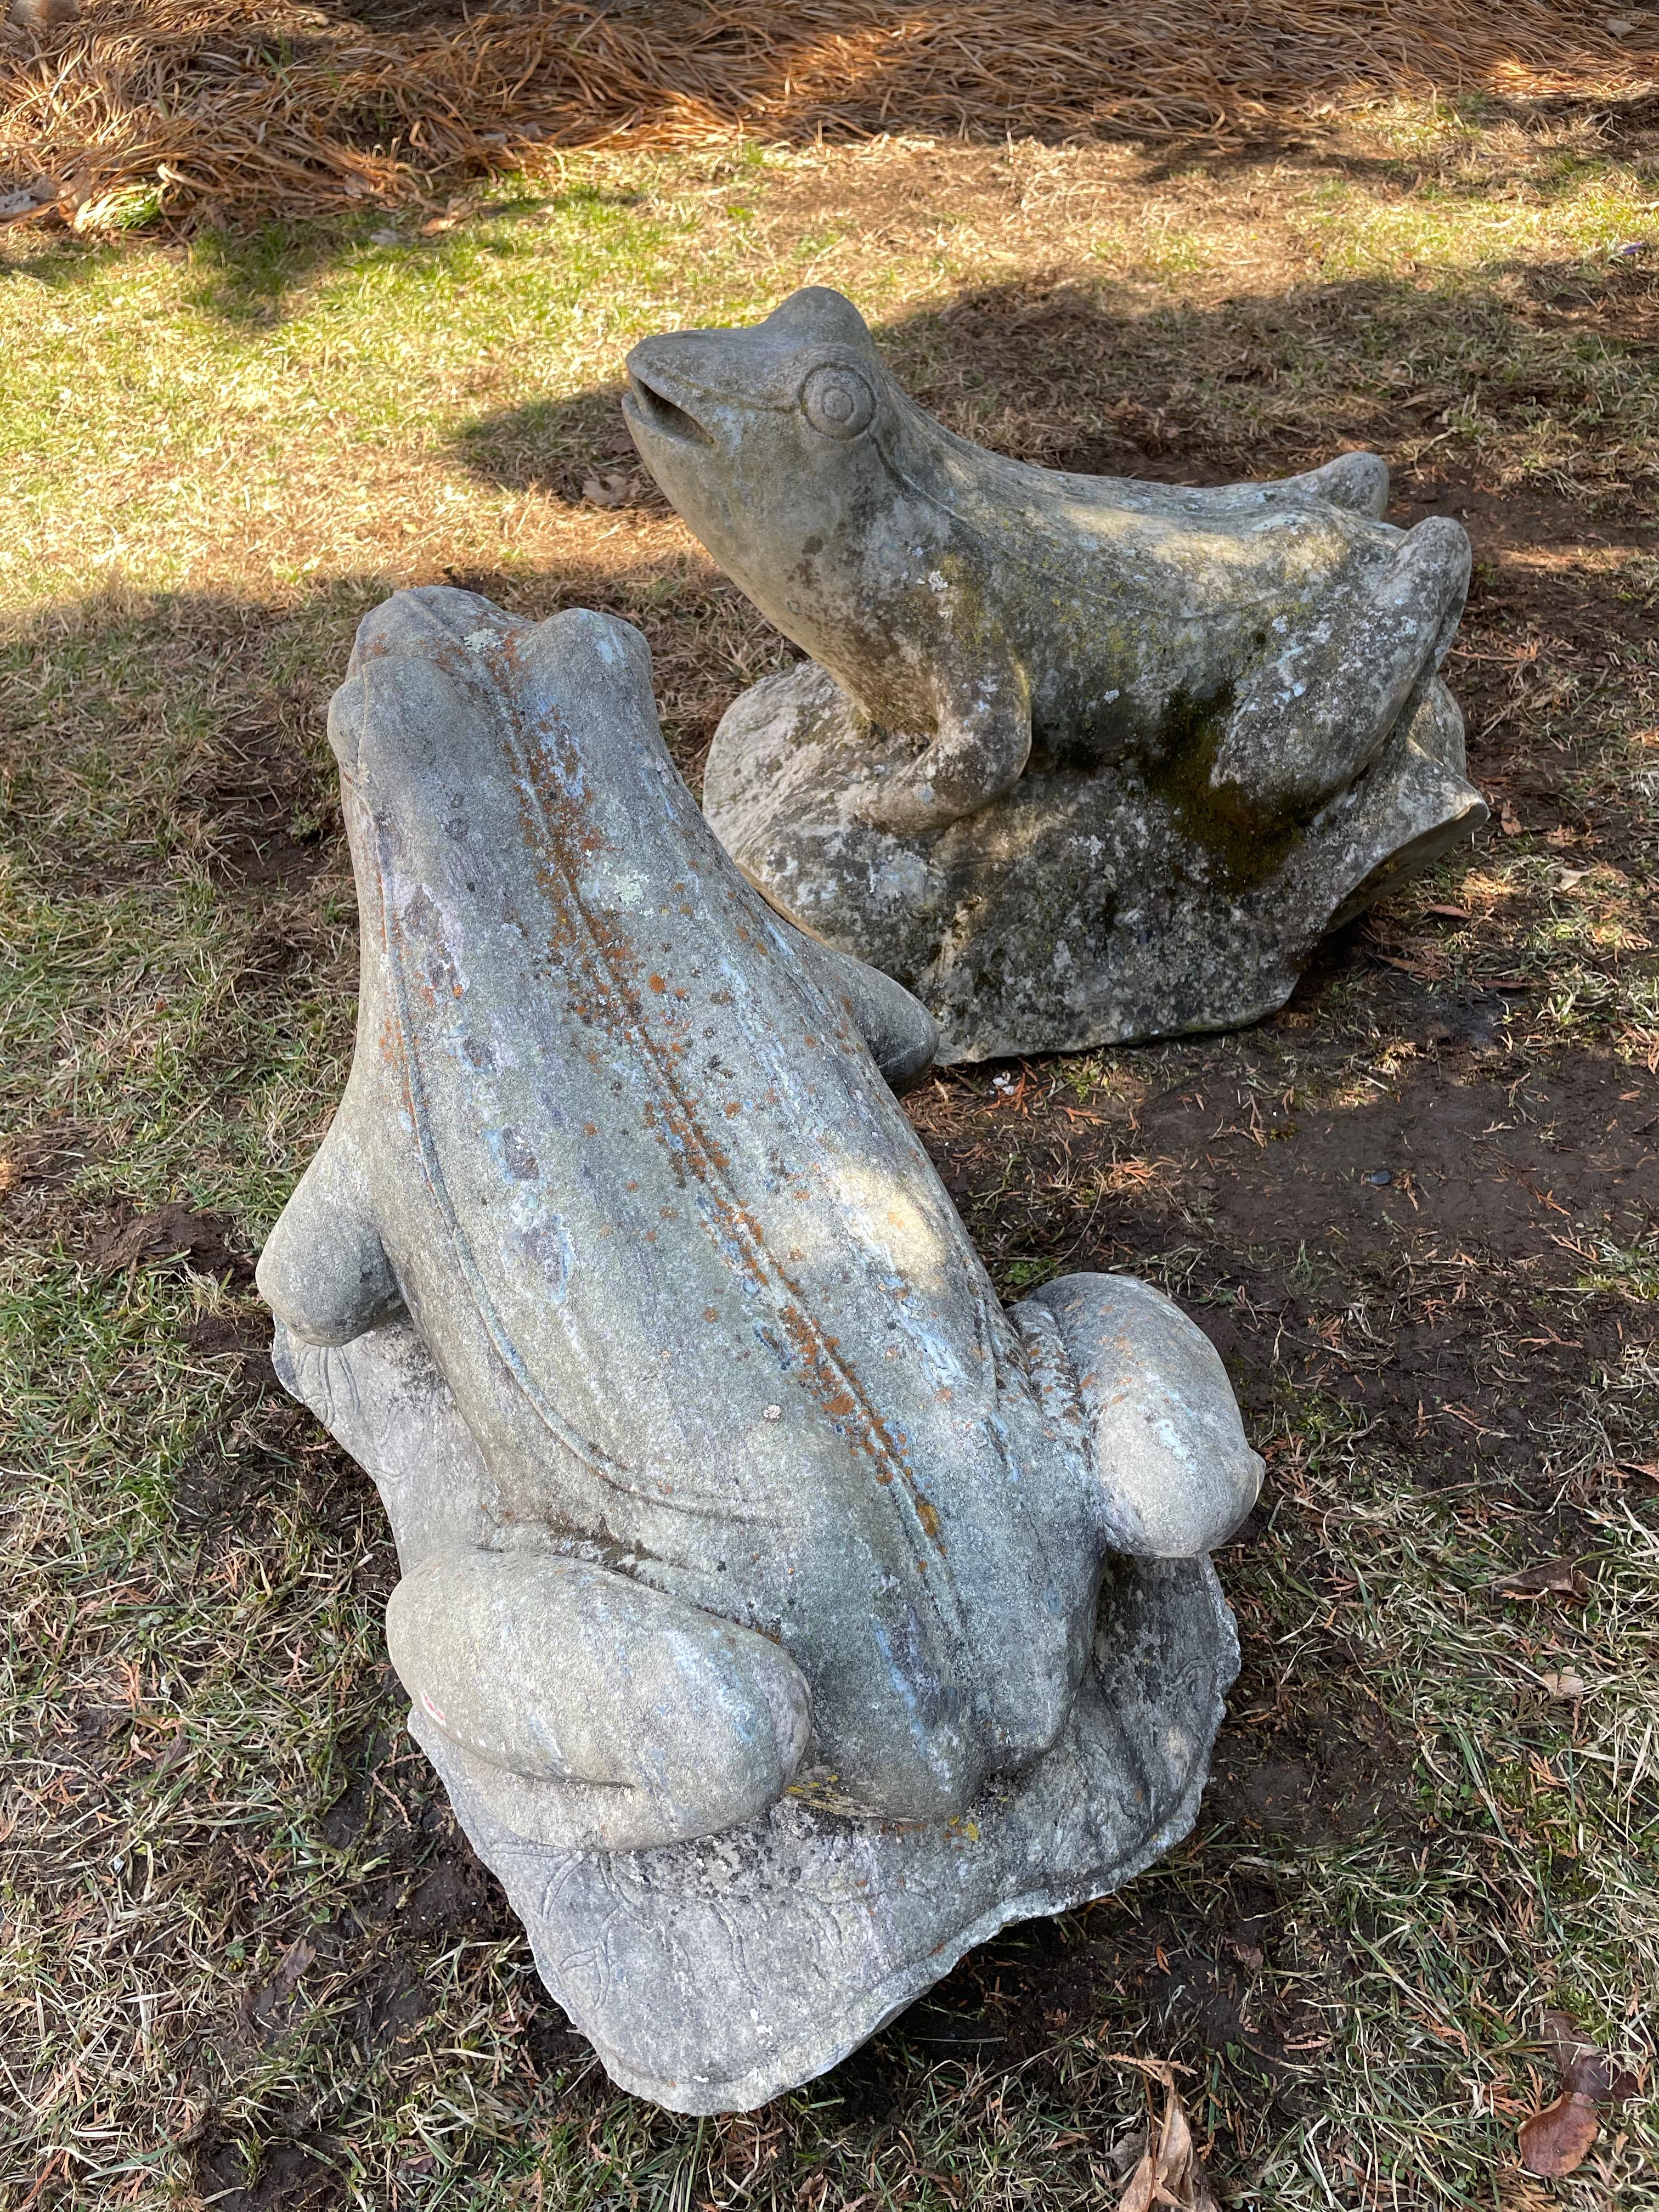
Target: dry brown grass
(145, 107)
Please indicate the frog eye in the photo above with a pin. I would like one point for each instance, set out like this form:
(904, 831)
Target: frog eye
(841, 402)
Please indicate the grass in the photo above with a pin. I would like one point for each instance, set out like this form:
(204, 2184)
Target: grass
(247, 1959)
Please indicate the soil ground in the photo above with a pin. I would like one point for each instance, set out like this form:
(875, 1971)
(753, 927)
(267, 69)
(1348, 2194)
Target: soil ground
(249, 1959)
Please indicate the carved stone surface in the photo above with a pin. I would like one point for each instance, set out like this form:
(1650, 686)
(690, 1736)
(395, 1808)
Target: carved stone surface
(753, 1557)
(1077, 759)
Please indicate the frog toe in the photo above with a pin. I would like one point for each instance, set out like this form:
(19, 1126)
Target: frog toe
(323, 1271)
(1358, 481)
(902, 1036)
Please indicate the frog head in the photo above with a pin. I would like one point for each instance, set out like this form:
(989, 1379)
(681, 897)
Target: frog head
(775, 444)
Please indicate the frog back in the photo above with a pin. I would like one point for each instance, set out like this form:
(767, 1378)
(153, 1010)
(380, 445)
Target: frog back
(682, 1258)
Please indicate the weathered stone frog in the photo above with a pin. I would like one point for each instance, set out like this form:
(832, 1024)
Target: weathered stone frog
(717, 1469)
(973, 606)
(1197, 687)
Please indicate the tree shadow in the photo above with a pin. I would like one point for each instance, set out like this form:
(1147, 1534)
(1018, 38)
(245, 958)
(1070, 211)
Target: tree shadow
(1621, 127)
(248, 277)
(250, 274)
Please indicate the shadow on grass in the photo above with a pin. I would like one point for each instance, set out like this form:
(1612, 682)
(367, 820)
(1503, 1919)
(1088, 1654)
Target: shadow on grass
(1255, 385)
(324, 1937)
(146, 731)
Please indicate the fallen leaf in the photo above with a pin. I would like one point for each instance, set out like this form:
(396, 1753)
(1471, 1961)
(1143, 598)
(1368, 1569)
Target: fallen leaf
(1171, 2174)
(1565, 1686)
(1585, 2070)
(1137, 2196)
(1546, 1578)
(1508, 821)
(1557, 2140)
(1451, 913)
(296, 1957)
(611, 490)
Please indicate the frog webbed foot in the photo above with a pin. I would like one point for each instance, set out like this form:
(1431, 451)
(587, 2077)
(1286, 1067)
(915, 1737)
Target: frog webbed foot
(1315, 709)
(1358, 481)
(1158, 1414)
(590, 1711)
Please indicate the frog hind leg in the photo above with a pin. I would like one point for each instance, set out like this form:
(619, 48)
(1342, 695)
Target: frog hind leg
(1356, 481)
(1146, 1393)
(590, 1711)
(323, 1271)
(1319, 704)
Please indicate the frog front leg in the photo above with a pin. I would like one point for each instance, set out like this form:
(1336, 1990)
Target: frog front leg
(590, 1711)
(977, 750)
(902, 1035)
(1147, 1399)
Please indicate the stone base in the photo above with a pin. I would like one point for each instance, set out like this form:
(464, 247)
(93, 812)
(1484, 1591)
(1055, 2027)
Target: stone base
(1086, 906)
(710, 1977)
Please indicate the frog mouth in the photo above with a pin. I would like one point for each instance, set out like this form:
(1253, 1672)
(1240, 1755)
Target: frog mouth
(646, 404)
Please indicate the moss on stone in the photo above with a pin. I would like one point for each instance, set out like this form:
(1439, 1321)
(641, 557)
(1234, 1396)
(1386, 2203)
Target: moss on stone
(1226, 821)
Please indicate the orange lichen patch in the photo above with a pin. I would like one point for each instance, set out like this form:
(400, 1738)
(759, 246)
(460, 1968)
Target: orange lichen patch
(266, 106)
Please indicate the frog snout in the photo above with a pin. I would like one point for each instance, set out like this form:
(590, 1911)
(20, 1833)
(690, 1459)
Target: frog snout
(654, 404)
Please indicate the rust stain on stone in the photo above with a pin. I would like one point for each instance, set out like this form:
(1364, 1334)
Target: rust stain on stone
(602, 959)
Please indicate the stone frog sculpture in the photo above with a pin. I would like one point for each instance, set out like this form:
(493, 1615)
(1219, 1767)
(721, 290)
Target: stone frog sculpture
(730, 1504)
(1202, 686)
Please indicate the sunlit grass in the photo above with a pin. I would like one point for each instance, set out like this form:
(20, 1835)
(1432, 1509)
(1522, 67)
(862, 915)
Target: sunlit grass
(291, 401)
